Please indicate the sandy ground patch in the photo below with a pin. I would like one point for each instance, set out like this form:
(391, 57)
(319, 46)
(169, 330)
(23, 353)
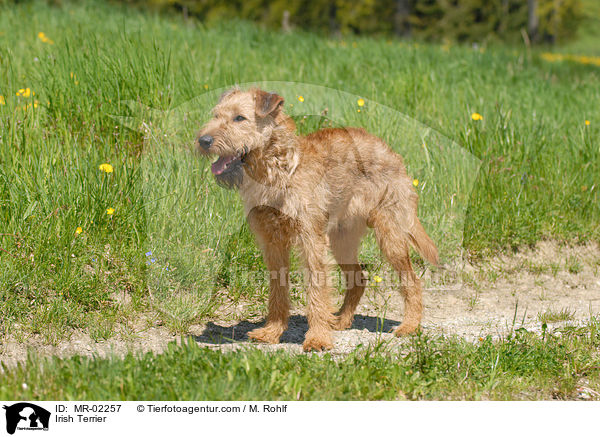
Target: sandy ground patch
(490, 297)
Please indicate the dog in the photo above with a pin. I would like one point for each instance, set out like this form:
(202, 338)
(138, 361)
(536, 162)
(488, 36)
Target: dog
(319, 193)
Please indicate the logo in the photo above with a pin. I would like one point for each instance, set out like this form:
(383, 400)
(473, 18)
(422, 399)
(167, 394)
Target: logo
(26, 416)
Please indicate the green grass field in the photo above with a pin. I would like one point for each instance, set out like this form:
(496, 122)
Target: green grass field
(174, 241)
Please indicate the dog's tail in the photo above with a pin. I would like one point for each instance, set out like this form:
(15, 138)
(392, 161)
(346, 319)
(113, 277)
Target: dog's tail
(423, 244)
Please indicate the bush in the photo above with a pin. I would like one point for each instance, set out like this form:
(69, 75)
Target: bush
(452, 20)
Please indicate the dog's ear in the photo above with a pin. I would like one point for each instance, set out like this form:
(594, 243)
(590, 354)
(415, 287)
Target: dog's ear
(267, 103)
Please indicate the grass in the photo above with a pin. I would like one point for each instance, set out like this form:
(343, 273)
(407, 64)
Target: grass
(176, 244)
(551, 316)
(573, 265)
(522, 366)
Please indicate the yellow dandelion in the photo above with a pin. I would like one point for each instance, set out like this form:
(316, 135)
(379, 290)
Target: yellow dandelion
(36, 104)
(2, 101)
(205, 86)
(551, 57)
(78, 230)
(416, 182)
(72, 75)
(360, 102)
(42, 36)
(110, 211)
(25, 92)
(300, 98)
(476, 116)
(377, 279)
(358, 110)
(587, 122)
(107, 168)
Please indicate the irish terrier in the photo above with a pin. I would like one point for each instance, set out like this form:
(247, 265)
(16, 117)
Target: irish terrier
(318, 192)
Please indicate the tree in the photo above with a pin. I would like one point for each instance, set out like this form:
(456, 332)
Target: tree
(402, 18)
(532, 20)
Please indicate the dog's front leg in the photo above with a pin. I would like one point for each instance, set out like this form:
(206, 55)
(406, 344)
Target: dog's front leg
(274, 243)
(319, 310)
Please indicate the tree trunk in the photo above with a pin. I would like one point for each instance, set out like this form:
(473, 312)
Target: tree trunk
(333, 23)
(532, 20)
(402, 18)
(285, 21)
(504, 18)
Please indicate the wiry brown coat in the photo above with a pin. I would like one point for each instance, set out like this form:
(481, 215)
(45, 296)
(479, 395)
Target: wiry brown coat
(318, 192)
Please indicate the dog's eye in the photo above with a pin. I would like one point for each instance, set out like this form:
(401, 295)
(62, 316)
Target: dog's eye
(239, 118)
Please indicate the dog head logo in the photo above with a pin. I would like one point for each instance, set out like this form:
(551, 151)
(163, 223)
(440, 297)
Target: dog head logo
(26, 416)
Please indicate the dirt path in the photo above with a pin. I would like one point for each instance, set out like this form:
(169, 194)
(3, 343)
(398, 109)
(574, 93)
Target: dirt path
(505, 293)
(558, 285)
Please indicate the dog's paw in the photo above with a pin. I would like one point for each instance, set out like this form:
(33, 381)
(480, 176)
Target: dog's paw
(405, 329)
(268, 334)
(317, 343)
(341, 323)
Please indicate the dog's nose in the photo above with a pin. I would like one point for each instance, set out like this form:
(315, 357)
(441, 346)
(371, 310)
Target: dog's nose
(205, 141)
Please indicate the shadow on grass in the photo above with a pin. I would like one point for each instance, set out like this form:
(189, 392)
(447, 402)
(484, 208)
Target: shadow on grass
(298, 325)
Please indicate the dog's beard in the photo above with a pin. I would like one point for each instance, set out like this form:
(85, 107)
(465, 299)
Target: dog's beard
(232, 178)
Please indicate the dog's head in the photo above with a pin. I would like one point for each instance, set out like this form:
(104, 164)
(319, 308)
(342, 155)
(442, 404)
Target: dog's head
(242, 124)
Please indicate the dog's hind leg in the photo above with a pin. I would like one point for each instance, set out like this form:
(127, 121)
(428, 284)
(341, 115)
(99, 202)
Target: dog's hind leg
(345, 242)
(272, 236)
(393, 241)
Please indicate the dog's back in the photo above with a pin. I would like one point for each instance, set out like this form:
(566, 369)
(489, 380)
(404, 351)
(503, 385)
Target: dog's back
(361, 173)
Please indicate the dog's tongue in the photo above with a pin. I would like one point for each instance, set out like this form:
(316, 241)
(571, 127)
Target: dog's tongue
(220, 164)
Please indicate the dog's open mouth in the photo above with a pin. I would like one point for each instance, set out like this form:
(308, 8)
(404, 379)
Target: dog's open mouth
(227, 163)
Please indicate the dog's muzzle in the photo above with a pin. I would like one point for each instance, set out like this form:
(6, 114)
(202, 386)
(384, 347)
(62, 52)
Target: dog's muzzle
(228, 170)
